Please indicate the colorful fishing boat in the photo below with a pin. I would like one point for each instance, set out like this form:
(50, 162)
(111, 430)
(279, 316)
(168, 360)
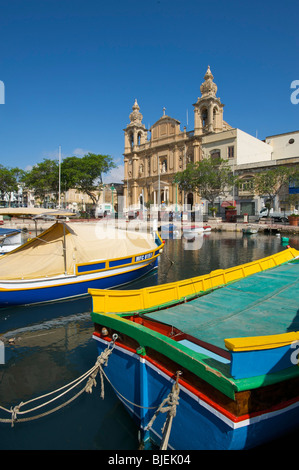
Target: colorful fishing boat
(212, 360)
(67, 259)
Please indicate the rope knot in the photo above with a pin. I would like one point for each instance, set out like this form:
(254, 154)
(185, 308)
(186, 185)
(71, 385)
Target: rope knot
(102, 360)
(14, 411)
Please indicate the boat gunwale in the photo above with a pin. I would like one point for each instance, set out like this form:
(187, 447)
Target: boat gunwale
(144, 293)
(190, 359)
(73, 277)
(236, 419)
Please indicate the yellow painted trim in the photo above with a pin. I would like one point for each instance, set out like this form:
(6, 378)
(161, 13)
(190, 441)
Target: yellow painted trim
(256, 343)
(107, 267)
(76, 279)
(123, 301)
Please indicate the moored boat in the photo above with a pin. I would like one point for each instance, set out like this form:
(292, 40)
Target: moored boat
(218, 354)
(10, 239)
(192, 231)
(67, 259)
(249, 230)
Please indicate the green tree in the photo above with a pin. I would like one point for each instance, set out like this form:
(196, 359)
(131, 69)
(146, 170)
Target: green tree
(43, 179)
(86, 174)
(9, 179)
(270, 182)
(211, 178)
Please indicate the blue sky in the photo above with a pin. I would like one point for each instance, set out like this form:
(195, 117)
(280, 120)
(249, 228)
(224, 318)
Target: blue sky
(72, 70)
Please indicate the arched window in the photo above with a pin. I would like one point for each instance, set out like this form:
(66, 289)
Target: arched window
(131, 137)
(215, 154)
(215, 111)
(138, 138)
(204, 117)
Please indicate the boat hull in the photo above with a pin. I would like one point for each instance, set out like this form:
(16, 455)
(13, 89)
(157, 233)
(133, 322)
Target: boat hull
(200, 423)
(47, 290)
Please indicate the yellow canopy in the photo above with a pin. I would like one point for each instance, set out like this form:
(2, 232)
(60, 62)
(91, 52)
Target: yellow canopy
(44, 255)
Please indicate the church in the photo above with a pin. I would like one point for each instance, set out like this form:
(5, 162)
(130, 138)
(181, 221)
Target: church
(153, 156)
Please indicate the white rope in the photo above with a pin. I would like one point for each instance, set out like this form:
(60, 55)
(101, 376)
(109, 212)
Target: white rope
(90, 375)
(172, 400)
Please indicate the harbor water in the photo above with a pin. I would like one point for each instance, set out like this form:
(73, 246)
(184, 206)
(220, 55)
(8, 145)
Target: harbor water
(48, 346)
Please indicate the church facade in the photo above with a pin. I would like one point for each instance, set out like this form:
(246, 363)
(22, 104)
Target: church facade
(151, 162)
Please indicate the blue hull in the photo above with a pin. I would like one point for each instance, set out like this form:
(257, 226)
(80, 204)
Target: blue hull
(198, 425)
(72, 289)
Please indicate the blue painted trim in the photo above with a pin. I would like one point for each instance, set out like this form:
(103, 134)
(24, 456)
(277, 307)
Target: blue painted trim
(195, 426)
(90, 267)
(144, 257)
(200, 349)
(46, 294)
(251, 363)
(119, 262)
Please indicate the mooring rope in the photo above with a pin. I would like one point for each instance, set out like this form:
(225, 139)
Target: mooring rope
(91, 374)
(172, 400)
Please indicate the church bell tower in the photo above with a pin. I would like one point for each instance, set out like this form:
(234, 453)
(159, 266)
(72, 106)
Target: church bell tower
(208, 110)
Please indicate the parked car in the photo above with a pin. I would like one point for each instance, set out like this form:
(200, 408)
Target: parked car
(275, 215)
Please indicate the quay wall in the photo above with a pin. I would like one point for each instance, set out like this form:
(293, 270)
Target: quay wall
(28, 225)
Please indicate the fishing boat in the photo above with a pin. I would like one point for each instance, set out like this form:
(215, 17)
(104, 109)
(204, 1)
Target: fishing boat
(9, 239)
(249, 230)
(191, 231)
(209, 362)
(67, 259)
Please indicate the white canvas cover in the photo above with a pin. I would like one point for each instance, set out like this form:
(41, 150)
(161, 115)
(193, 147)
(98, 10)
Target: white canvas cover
(84, 242)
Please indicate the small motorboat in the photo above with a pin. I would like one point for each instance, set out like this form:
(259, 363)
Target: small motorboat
(249, 230)
(10, 239)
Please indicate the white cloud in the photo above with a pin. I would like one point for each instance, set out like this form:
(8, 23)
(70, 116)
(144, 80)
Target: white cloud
(115, 176)
(79, 152)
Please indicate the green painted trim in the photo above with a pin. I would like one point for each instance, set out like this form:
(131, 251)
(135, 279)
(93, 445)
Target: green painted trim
(212, 371)
(184, 356)
(268, 379)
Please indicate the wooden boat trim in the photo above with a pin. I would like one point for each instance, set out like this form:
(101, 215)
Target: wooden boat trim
(114, 263)
(245, 404)
(157, 297)
(189, 359)
(257, 343)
